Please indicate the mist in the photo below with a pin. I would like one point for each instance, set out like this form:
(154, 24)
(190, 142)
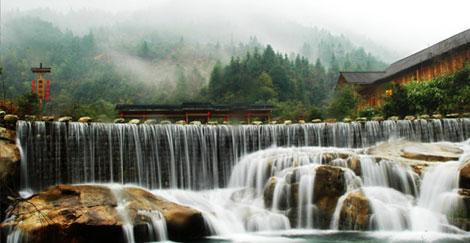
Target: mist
(401, 26)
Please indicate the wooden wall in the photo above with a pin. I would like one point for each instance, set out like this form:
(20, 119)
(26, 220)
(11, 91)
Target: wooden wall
(446, 64)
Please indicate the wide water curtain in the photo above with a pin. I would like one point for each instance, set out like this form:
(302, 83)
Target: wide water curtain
(191, 156)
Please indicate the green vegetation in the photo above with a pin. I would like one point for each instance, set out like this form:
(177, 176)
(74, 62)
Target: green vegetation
(445, 94)
(117, 64)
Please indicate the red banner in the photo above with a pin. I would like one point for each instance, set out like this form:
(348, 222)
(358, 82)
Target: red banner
(48, 86)
(32, 86)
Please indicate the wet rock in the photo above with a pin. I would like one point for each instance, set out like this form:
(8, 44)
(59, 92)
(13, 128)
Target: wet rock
(452, 115)
(354, 163)
(355, 213)
(410, 118)
(413, 152)
(464, 180)
(48, 118)
(30, 118)
(301, 121)
(119, 120)
(393, 118)
(65, 119)
(378, 118)
(85, 119)
(424, 117)
(9, 156)
(361, 119)
(436, 116)
(330, 120)
(181, 122)
(329, 186)
(87, 213)
(134, 121)
(268, 194)
(460, 216)
(316, 121)
(347, 120)
(287, 122)
(431, 152)
(9, 121)
(165, 122)
(195, 123)
(466, 114)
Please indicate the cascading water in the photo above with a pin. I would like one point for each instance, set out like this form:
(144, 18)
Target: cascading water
(192, 157)
(254, 178)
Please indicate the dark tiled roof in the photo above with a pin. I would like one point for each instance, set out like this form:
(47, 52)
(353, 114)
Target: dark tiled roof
(454, 42)
(193, 106)
(431, 52)
(362, 77)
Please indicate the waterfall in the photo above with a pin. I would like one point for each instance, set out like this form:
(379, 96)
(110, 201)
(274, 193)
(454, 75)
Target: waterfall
(253, 178)
(189, 156)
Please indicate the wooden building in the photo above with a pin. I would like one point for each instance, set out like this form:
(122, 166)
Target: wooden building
(445, 57)
(202, 112)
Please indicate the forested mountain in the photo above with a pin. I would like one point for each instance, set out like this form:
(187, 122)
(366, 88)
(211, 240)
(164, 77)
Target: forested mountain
(135, 62)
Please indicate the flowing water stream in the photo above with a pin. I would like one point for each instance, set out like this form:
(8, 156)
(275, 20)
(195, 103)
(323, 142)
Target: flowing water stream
(224, 172)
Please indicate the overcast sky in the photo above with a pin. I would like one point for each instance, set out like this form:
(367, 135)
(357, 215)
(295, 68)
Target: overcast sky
(406, 25)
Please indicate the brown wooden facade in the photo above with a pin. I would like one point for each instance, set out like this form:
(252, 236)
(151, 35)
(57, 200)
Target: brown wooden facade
(202, 112)
(426, 66)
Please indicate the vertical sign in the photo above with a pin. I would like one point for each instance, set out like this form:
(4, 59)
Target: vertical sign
(48, 86)
(41, 89)
(32, 86)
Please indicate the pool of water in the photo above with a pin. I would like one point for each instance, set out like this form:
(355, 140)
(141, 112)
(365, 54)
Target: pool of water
(326, 236)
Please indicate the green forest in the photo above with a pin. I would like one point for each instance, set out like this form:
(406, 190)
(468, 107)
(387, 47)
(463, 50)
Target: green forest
(94, 71)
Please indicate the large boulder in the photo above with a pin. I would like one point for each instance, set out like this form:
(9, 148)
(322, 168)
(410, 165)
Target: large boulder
(329, 186)
(460, 216)
(355, 212)
(90, 213)
(464, 180)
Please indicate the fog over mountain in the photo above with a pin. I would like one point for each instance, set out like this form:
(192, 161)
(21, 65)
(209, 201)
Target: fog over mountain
(394, 25)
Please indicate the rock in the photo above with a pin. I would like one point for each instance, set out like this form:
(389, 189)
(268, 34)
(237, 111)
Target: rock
(268, 193)
(134, 121)
(87, 213)
(460, 216)
(330, 120)
(257, 123)
(10, 120)
(287, 122)
(48, 118)
(212, 123)
(65, 119)
(414, 152)
(195, 123)
(329, 186)
(273, 122)
(378, 118)
(85, 119)
(452, 115)
(424, 117)
(316, 121)
(431, 152)
(301, 121)
(466, 114)
(361, 119)
(393, 118)
(181, 122)
(30, 117)
(464, 180)
(8, 135)
(347, 120)
(9, 157)
(2, 114)
(436, 116)
(355, 213)
(354, 163)
(119, 120)
(410, 118)
(165, 122)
